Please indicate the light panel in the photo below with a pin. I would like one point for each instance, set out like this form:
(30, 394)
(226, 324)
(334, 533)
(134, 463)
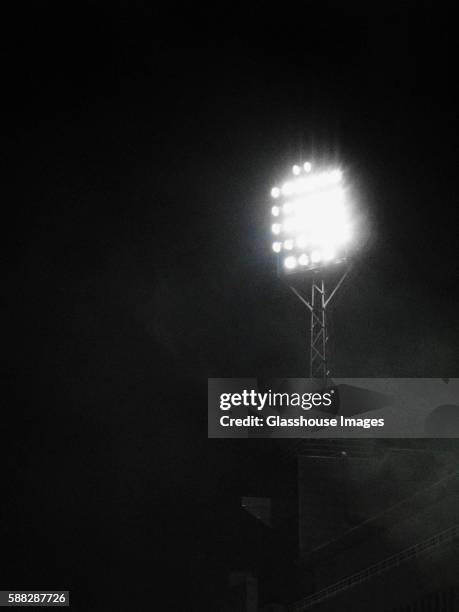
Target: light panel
(313, 224)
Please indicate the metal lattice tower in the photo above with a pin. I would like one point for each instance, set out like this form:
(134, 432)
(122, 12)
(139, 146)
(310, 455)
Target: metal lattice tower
(318, 366)
(319, 300)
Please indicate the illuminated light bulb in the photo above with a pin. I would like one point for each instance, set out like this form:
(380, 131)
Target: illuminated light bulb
(277, 246)
(276, 228)
(307, 167)
(303, 260)
(286, 189)
(296, 170)
(290, 262)
(288, 245)
(275, 192)
(275, 210)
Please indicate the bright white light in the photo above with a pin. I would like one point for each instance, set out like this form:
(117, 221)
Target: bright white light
(311, 183)
(303, 260)
(313, 220)
(287, 189)
(346, 233)
(329, 254)
(330, 201)
(275, 192)
(331, 236)
(290, 262)
(336, 176)
(301, 242)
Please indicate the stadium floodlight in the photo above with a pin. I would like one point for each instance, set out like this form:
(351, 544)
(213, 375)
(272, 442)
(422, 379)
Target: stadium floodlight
(312, 226)
(312, 218)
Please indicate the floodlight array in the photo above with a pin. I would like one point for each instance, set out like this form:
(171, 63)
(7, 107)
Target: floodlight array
(311, 224)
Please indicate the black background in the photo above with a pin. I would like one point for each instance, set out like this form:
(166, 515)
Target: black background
(140, 149)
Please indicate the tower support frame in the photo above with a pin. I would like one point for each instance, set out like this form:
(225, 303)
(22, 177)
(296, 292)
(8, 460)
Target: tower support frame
(319, 357)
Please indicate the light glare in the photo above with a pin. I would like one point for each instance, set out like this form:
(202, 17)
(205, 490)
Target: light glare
(303, 260)
(336, 176)
(301, 242)
(290, 262)
(329, 254)
(312, 217)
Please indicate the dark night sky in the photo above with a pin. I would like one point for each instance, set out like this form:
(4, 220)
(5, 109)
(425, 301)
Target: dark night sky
(142, 151)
